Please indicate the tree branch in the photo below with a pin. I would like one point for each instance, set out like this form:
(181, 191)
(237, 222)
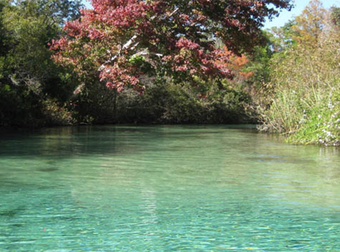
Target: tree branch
(130, 44)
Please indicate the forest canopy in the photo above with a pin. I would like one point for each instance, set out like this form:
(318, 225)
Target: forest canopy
(189, 59)
(126, 39)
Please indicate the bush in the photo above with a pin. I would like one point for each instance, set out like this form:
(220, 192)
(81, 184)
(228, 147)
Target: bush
(304, 98)
(166, 103)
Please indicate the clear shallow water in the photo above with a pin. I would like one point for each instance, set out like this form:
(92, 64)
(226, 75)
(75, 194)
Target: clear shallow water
(166, 188)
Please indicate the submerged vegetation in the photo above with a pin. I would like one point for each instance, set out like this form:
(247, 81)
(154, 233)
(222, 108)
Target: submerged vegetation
(171, 62)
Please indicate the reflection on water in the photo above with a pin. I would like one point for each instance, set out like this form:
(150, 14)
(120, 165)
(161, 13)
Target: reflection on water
(166, 188)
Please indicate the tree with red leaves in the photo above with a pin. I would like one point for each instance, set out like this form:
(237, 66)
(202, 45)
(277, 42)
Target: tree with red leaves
(123, 40)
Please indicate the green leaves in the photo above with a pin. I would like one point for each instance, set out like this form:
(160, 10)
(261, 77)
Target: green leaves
(28, 76)
(303, 92)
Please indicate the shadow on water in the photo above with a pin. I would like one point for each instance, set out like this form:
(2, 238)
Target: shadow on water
(281, 159)
(49, 169)
(65, 142)
(156, 188)
(10, 213)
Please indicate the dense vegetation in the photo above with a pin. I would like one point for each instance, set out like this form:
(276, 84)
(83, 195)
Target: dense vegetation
(33, 90)
(171, 62)
(303, 91)
(196, 80)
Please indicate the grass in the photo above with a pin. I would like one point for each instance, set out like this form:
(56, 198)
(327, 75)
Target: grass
(304, 105)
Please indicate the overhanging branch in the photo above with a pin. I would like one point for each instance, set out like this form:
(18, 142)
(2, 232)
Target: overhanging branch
(130, 44)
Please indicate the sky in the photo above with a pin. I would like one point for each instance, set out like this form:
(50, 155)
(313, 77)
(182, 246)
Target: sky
(87, 3)
(299, 6)
(284, 15)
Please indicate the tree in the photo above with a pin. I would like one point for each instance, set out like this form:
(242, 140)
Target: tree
(335, 15)
(124, 40)
(282, 38)
(30, 25)
(28, 76)
(309, 24)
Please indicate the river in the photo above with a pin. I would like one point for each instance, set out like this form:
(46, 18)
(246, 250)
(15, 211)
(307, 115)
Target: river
(166, 188)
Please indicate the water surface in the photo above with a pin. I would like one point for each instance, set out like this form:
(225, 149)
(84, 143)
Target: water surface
(166, 188)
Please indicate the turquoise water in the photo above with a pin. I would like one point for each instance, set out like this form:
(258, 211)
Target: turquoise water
(166, 188)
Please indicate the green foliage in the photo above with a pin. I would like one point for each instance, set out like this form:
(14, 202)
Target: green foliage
(260, 65)
(335, 15)
(303, 97)
(321, 124)
(35, 92)
(164, 103)
(19, 107)
(282, 38)
(29, 80)
(30, 26)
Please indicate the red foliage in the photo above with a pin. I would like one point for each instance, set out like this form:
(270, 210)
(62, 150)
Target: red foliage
(175, 37)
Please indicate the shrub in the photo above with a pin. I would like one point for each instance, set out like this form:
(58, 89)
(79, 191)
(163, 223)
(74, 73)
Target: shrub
(305, 90)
